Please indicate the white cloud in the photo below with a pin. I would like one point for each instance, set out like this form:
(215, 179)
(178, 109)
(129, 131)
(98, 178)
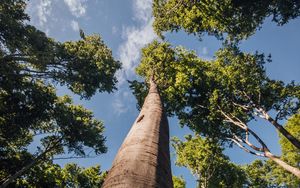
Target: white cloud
(129, 52)
(46, 15)
(119, 106)
(76, 7)
(75, 25)
(136, 37)
(40, 11)
(142, 10)
(124, 101)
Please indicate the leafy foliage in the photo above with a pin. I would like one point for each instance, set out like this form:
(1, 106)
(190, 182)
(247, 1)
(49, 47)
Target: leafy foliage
(257, 173)
(267, 173)
(178, 182)
(289, 151)
(52, 175)
(236, 19)
(198, 90)
(31, 65)
(217, 98)
(85, 66)
(204, 158)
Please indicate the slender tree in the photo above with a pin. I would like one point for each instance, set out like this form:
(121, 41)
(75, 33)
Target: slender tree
(144, 159)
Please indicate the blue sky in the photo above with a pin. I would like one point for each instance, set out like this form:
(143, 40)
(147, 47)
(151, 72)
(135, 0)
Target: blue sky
(126, 26)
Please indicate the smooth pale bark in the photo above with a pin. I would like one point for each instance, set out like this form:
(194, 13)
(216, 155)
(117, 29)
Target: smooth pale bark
(283, 164)
(144, 157)
(264, 148)
(283, 131)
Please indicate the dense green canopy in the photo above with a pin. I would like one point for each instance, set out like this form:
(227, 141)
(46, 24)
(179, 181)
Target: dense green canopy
(31, 64)
(217, 98)
(204, 158)
(198, 90)
(48, 175)
(178, 182)
(235, 18)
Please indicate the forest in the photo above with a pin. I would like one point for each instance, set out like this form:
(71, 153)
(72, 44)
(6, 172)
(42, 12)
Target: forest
(220, 100)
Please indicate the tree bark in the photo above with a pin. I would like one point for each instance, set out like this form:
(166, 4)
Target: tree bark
(264, 149)
(283, 131)
(144, 158)
(283, 164)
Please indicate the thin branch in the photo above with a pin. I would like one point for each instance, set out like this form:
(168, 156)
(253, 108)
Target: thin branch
(245, 149)
(277, 115)
(264, 146)
(239, 124)
(281, 129)
(201, 106)
(249, 143)
(75, 157)
(245, 107)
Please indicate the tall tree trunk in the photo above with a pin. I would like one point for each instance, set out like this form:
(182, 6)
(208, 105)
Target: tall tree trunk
(144, 158)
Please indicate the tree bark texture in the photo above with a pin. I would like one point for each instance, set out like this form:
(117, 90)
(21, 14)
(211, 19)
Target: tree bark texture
(144, 157)
(283, 131)
(283, 164)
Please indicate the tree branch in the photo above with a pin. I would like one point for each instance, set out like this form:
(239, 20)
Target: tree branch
(73, 157)
(245, 149)
(230, 119)
(34, 161)
(280, 128)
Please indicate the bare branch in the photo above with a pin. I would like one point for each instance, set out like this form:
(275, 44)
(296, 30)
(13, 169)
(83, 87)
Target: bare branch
(239, 124)
(74, 157)
(201, 106)
(245, 149)
(264, 146)
(248, 142)
(245, 107)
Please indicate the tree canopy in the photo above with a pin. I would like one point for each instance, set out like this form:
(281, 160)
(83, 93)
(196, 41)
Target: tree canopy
(178, 182)
(31, 65)
(234, 82)
(235, 19)
(267, 173)
(217, 98)
(204, 158)
(51, 175)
